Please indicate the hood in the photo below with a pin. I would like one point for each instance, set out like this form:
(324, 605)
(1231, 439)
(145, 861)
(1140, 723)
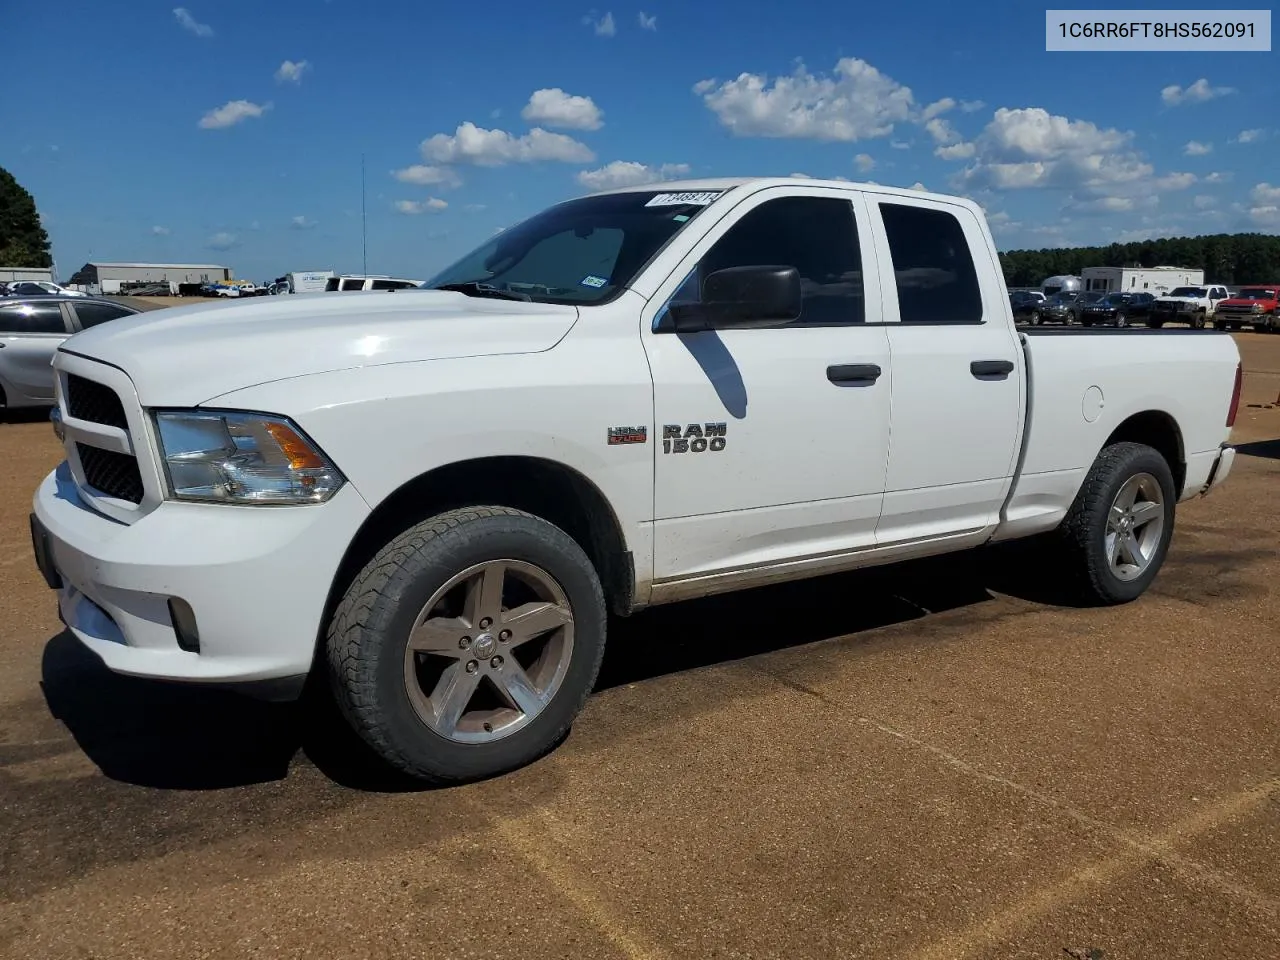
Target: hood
(1245, 302)
(182, 356)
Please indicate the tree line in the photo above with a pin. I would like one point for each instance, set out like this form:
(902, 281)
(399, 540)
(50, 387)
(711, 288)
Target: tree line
(1232, 258)
(23, 241)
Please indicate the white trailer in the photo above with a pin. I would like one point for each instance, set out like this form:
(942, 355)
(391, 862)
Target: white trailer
(1157, 280)
(309, 281)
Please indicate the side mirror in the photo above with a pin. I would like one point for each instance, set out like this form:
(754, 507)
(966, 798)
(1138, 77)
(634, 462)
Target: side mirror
(737, 298)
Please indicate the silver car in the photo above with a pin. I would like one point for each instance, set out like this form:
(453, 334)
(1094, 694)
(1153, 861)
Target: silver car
(31, 328)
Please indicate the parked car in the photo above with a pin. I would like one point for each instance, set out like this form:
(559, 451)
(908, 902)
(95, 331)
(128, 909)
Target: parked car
(31, 330)
(1191, 305)
(436, 501)
(1118, 309)
(1024, 304)
(36, 288)
(1060, 308)
(1257, 306)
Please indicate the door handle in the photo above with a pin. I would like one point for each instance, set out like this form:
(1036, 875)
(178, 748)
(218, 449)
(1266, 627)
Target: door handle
(991, 368)
(853, 373)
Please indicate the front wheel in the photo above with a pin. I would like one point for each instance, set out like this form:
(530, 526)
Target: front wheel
(1122, 320)
(469, 644)
(1116, 535)
(1197, 321)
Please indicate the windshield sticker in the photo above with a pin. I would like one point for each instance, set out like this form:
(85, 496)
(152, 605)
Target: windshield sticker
(590, 281)
(700, 199)
(680, 217)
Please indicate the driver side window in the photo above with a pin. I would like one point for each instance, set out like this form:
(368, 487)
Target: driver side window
(816, 235)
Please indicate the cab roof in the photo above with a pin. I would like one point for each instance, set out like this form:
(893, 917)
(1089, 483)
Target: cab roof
(725, 184)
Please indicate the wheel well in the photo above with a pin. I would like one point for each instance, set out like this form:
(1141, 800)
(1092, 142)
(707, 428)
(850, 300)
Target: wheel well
(1156, 429)
(543, 488)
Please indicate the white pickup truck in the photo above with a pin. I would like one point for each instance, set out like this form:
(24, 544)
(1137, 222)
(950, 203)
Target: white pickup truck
(1191, 305)
(631, 398)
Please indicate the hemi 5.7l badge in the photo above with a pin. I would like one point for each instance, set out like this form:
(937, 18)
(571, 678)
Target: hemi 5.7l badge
(693, 438)
(628, 435)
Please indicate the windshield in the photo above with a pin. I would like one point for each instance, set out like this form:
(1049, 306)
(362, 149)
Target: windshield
(1259, 294)
(1188, 292)
(580, 251)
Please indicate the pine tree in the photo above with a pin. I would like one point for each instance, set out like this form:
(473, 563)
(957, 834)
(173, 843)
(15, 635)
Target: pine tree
(23, 240)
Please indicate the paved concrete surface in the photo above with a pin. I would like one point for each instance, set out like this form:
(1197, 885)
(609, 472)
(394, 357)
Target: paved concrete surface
(926, 762)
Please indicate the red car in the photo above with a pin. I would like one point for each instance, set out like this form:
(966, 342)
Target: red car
(1257, 306)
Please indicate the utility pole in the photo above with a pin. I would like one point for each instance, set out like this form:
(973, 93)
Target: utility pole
(364, 228)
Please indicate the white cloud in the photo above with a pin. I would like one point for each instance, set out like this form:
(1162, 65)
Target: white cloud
(1198, 92)
(290, 72)
(555, 108)
(1104, 205)
(971, 106)
(1218, 177)
(956, 151)
(414, 207)
(1029, 147)
(1195, 148)
(919, 186)
(1175, 181)
(190, 24)
(802, 176)
(1265, 193)
(864, 162)
(1250, 136)
(1203, 202)
(628, 173)
(856, 102)
(160, 231)
(223, 241)
(648, 22)
(937, 108)
(231, 113)
(604, 26)
(302, 223)
(423, 176)
(494, 148)
(899, 144)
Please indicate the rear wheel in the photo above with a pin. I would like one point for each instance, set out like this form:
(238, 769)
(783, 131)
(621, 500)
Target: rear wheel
(1122, 319)
(1116, 535)
(469, 644)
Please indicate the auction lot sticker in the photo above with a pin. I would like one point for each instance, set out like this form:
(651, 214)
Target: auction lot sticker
(699, 199)
(1171, 31)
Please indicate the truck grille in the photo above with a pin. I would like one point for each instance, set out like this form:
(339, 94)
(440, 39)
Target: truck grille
(111, 473)
(95, 402)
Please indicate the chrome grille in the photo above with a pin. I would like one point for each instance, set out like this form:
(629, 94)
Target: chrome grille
(95, 402)
(111, 473)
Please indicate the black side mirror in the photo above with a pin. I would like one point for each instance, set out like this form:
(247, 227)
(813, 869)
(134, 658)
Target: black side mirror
(737, 298)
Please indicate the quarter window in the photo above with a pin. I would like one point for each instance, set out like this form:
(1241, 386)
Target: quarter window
(816, 235)
(92, 314)
(934, 270)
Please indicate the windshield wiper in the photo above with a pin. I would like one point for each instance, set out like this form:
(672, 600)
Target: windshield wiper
(476, 289)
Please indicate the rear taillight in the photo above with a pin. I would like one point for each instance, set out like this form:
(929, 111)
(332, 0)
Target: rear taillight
(1235, 395)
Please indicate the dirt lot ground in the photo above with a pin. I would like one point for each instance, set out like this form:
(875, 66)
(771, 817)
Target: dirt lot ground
(924, 762)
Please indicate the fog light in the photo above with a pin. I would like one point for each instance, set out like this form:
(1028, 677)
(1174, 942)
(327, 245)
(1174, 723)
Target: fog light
(184, 624)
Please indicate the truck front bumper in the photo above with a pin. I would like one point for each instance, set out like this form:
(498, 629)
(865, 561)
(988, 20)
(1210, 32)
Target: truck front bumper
(201, 593)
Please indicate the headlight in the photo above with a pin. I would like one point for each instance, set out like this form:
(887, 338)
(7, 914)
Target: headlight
(250, 458)
(1256, 308)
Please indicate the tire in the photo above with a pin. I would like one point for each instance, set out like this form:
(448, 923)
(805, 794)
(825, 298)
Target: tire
(399, 713)
(1197, 321)
(1082, 540)
(1155, 324)
(1219, 325)
(1122, 320)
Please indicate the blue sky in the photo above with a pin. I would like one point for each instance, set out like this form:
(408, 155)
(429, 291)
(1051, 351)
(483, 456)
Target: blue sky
(230, 131)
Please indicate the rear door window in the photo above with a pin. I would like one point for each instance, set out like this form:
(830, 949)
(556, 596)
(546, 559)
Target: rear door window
(937, 281)
(28, 317)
